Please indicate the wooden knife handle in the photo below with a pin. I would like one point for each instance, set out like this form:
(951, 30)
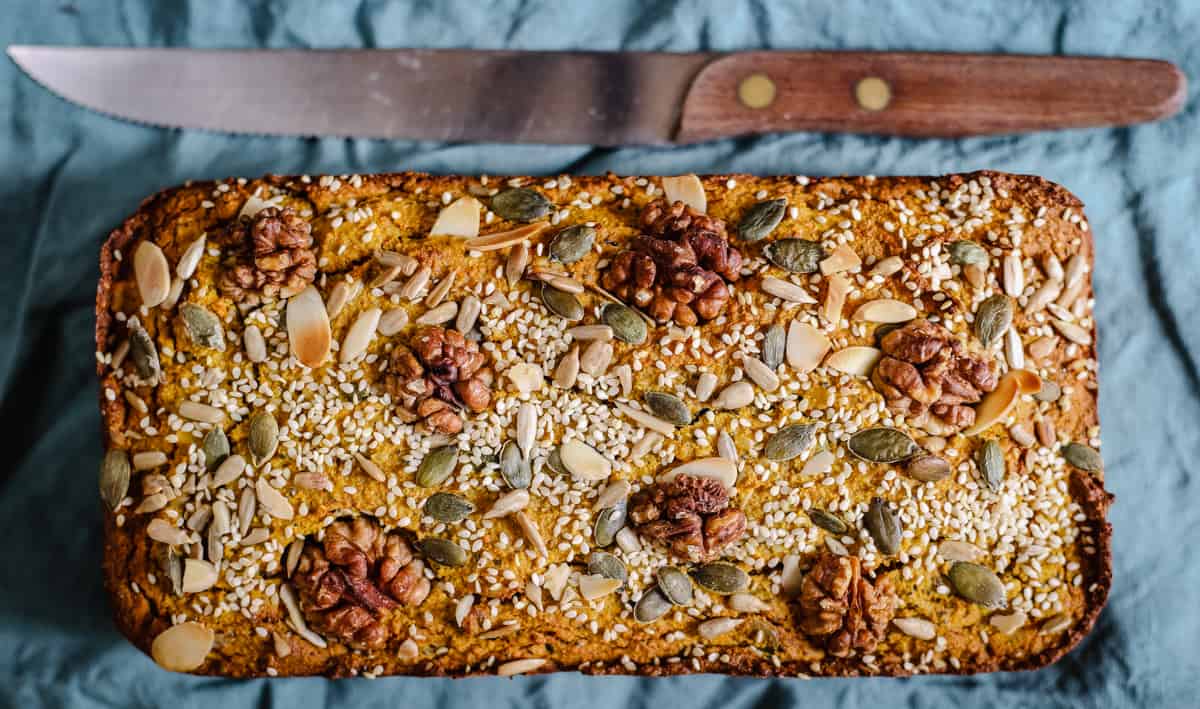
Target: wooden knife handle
(923, 94)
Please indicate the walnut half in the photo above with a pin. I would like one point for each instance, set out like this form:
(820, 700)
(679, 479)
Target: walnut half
(841, 608)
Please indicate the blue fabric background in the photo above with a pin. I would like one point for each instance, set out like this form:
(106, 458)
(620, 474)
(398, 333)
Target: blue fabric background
(68, 176)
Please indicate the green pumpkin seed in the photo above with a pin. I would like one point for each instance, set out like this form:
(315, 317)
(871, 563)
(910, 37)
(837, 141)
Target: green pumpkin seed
(573, 243)
(721, 577)
(448, 507)
(651, 606)
(790, 442)
(882, 445)
(114, 478)
(1083, 457)
(795, 255)
(993, 318)
(607, 565)
(928, 468)
(675, 585)
(144, 354)
(263, 437)
(990, 459)
(514, 466)
(978, 584)
(554, 462)
(437, 465)
(562, 303)
(883, 524)
(609, 521)
(774, 346)
(204, 328)
(521, 205)
(968, 253)
(761, 219)
(215, 447)
(1050, 391)
(626, 324)
(668, 407)
(442, 551)
(828, 521)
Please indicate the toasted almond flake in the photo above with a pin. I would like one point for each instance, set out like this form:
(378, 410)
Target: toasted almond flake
(717, 468)
(715, 628)
(1014, 273)
(760, 373)
(408, 650)
(995, 405)
(625, 377)
(190, 258)
(415, 285)
(195, 411)
(462, 608)
(841, 259)
(229, 470)
(163, 531)
(1009, 623)
(534, 593)
(591, 332)
(525, 377)
(567, 371)
(255, 344)
(148, 459)
(593, 586)
(819, 464)
(183, 647)
(527, 421)
(705, 386)
(252, 206)
(370, 468)
(885, 310)
(596, 358)
(743, 602)
(790, 575)
(283, 647)
(687, 189)
(459, 218)
(835, 299)
(583, 461)
(408, 265)
(308, 330)
(627, 540)
(806, 346)
(360, 334)
(645, 444)
(272, 501)
(556, 580)
(392, 322)
(518, 667)
(647, 421)
(888, 267)
(1072, 332)
(1042, 347)
(515, 264)
(734, 396)
(468, 313)
(785, 290)
(198, 575)
(504, 239)
(857, 360)
(615, 492)
(918, 628)
(152, 274)
(955, 550)
(443, 313)
(506, 504)
(530, 530)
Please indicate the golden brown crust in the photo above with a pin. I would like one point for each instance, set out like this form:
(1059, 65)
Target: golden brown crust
(127, 549)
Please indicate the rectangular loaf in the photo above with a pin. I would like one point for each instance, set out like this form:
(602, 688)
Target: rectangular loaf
(403, 424)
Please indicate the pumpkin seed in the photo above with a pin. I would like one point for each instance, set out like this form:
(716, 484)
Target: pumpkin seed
(448, 507)
(562, 303)
(675, 585)
(883, 524)
(626, 324)
(1083, 457)
(928, 468)
(608, 522)
(651, 606)
(828, 521)
(442, 551)
(514, 466)
(774, 346)
(795, 255)
(573, 243)
(668, 407)
(978, 584)
(263, 438)
(993, 318)
(554, 462)
(144, 354)
(114, 478)
(968, 253)
(761, 219)
(721, 577)
(437, 465)
(521, 204)
(608, 566)
(790, 442)
(1050, 391)
(215, 447)
(990, 459)
(202, 326)
(882, 445)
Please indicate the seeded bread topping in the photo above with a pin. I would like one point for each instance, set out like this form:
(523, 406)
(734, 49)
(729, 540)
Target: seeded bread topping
(403, 424)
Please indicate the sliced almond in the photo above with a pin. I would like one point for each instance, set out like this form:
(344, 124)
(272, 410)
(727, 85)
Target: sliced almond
(459, 218)
(198, 575)
(646, 420)
(858, 360)
(272, 501)
(596, 357)
(760, 373)
(183, 647)
(645, 444)
(835, 299)
(583, 461)
(687, 189)
(519, 667)
(819, 464)
(308, 330)
(786, 290)
(716, 468)
(1042, 347)
(791, 575)
(556, 580)
(841, 259)
(806, 346)
(525, 377)
(505, 239)
(625, 377)
(190, 258)
(152, 273)
(995, 405)
(360, 334)
(885, 310)
(532, 534)
(1008, 623)
(615, 492)
(593, 586)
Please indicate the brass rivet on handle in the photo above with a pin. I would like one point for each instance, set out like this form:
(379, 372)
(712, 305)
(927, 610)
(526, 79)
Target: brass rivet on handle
(756, 91)
(873, 93)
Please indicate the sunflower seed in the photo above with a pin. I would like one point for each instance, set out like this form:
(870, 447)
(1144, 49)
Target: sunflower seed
(882, 445)
(561, 303)
(978, 584)
(520, 667)
(608, 522)
(215, 447)
(975, 275)
(885, 310)
(341, 293)
(442, 551)
(567, 371)
(272, 501)
(595, 359)
(716, 627)
(955, 550)
(928, 468)
(1083, 457)
(255, 344)
(1014, 349)
(173, 294)
(795, 255)
(530, 530)
(835, 300)
(521, 204)
(675, 585)
(171, 564)
(163, 531)
(247, 507)
(443, 313)
(437, 465)
(1021, 434)
(651, 606)
(1014, 273)
(152, 274)
(968, 253)
(204, 328)
(392, 322)
(785, 290)
(195, 411)
(761, 219)
(590, 332)
(526, 427)
(883, 524)
(1072, 332)
(616, 492)
(790, 442)
(734, 396)
(515, 264)
(990, 459)
(369, 467)
(888, 267)
(1009, 623)
(644, 444)
(148, 460)
(1076, 268)
(626, 324)
(573, 243)
(705, 386)
(439, 292)
(828, 521)
(508, 503)
(993, 318)
(668, 407)
(408, 265)
(183, 647)
(415, 285)
(760, 373)
(263, 437)
(721, 577)
(1043, 296)
(360, 334)
(601, 563)
(144, 355)
(514, 466)
(114, 478)
(190, 258)
(918, 628)
(726, 448)
(747, 603)
(1056, 624)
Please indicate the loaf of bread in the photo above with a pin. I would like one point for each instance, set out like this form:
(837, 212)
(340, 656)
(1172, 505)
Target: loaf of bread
(420, 425)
